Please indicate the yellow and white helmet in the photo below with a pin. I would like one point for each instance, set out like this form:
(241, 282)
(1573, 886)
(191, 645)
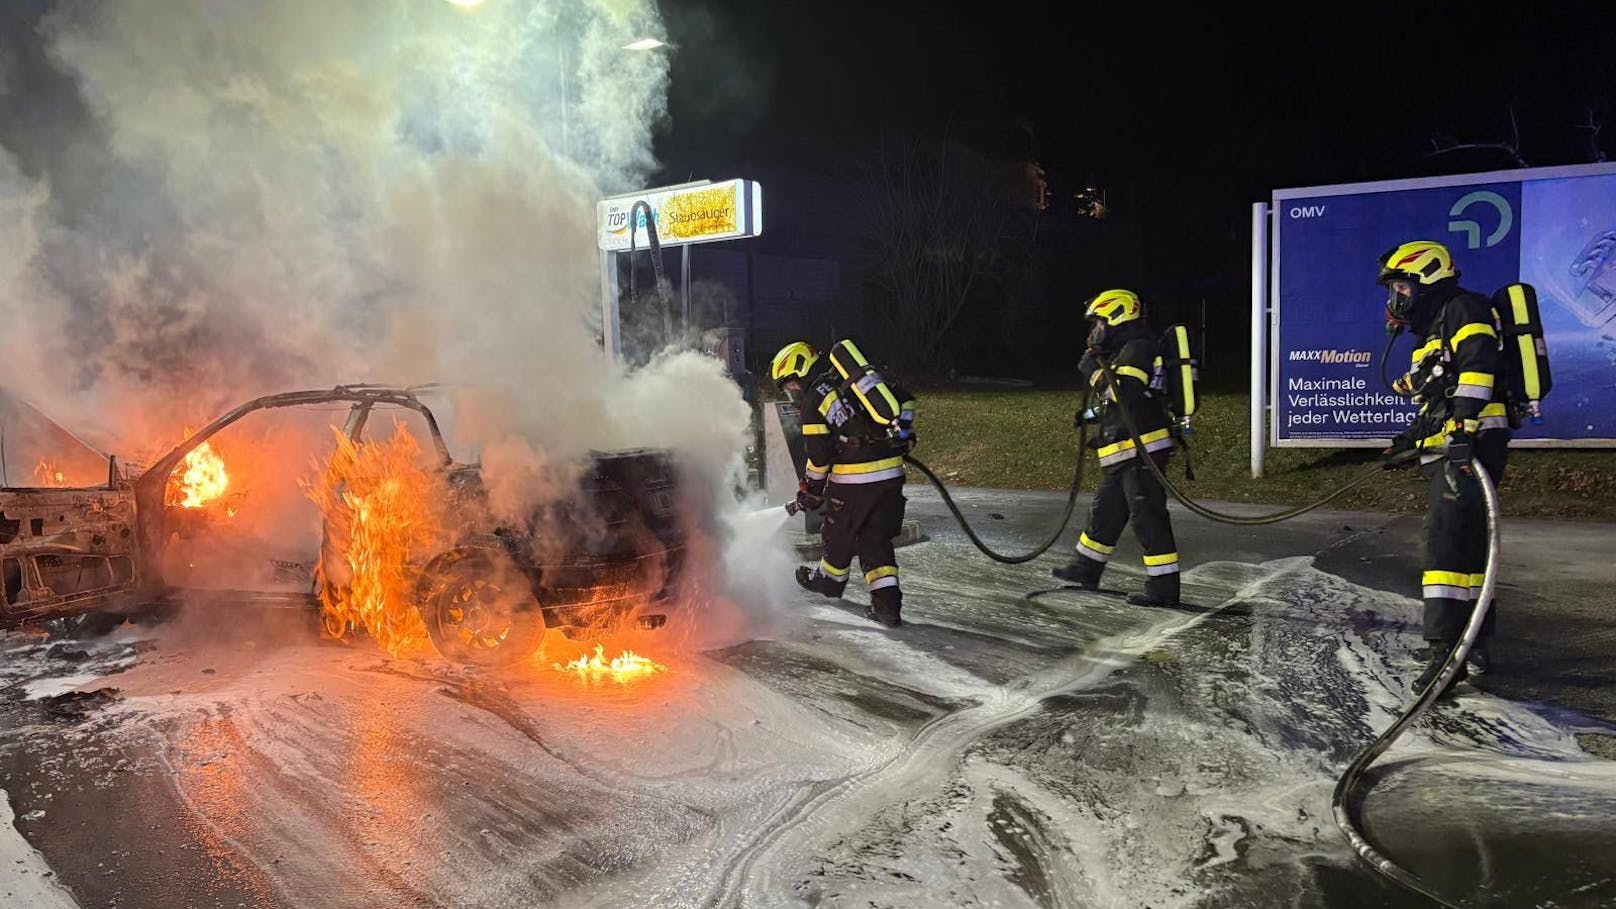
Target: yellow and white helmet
(794, 361)
(1115, 307)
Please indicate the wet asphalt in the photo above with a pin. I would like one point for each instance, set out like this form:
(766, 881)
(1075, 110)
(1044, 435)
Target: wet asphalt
(1015, 744)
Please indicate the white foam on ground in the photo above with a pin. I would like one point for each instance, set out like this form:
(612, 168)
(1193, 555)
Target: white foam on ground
(348, 778)
(52, 687)
(26, 881)
(1166, 816)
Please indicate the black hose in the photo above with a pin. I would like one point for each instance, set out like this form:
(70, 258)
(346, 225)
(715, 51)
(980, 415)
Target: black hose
(1392, 331)
(1221, 517)
(1340, 802)
(1071, 500)
(1349, 779)
(643, 207)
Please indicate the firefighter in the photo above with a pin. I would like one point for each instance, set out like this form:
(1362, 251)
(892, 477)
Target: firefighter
(1128, 490)
(1453, 373)
(856, 428)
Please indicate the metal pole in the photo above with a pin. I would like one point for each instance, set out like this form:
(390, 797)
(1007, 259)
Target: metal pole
(1259, 334)
(566, 140)
(610, 323)
(684, 286)
(1203, 348)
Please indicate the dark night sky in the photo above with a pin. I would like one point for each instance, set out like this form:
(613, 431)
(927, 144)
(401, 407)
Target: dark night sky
(1201, 109)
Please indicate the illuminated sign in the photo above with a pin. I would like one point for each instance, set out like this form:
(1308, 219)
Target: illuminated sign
(694, 214)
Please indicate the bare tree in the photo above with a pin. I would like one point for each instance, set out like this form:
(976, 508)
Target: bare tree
(942, 233)
(1592, 125)
(1593, 122)
(1441, 145)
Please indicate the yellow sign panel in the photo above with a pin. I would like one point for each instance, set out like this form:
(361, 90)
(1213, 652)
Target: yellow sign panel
(699, 214)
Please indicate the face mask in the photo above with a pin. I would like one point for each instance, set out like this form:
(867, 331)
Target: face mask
(1398, 304)
(1097, 334)
(1394, 325)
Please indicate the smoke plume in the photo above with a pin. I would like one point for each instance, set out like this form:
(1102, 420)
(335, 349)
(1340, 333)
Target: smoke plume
(203, 201)
(256, 196)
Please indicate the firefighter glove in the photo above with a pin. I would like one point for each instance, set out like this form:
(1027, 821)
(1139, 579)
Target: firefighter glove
(1400, 455)
(1404, 386)
(1459, 450)
(906, 436)
(808, 497)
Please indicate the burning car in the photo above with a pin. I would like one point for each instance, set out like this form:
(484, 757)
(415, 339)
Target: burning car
(609, 552)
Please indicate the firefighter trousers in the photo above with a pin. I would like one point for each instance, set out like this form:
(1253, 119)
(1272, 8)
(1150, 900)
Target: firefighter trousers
(863, 519)
(1456, 540)
(1129, 491)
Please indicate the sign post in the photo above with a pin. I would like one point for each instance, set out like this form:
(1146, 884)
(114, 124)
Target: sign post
(1259, 334)
(1316, 354)
(690, 213)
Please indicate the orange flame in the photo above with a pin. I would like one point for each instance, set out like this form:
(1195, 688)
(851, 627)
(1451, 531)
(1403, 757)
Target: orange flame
(381, 509)
(48, 474)
(622, 668)
(199, 479)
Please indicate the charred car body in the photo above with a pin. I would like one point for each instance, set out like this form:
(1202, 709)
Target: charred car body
(612, 551)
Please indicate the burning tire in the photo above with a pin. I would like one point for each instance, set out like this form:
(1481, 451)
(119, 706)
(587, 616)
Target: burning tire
(479, 608)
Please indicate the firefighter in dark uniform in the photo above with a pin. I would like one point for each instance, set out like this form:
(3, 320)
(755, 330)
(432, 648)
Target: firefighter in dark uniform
(1128, 490)
(854, 469)
(1455, 368)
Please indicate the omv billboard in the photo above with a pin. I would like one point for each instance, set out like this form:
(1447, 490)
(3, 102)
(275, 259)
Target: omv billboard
(1553, 228)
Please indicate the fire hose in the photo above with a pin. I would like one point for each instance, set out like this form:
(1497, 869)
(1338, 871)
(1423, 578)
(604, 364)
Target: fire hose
(990, 552)
(1392, 333)
(1222, 517)
(1341, 800)
(643, 209)
(1060, 529)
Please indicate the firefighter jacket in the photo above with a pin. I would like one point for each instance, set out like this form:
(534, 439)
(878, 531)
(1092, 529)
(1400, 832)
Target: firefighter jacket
(862, 450)
(1133, 364)
(1454, 370)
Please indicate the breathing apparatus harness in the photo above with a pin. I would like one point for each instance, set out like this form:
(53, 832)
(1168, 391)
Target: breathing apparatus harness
(1524, 375)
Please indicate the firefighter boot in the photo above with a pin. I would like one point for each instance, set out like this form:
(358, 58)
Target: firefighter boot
(1435, 657)
(885, 604)
(1480, 658)
(817, 581)
(1083, 573)
(1161, 590)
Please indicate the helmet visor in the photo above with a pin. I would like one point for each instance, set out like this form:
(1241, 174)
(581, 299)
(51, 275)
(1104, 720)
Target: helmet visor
(1400, 294)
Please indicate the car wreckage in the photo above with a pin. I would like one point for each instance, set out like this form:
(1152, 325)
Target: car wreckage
(614, 550)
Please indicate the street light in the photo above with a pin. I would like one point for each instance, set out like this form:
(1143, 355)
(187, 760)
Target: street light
(644, 44)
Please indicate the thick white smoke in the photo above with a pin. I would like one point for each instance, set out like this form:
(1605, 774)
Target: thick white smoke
(247, 197)
(301, 193)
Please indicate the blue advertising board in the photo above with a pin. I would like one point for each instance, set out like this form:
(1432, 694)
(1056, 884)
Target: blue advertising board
(1553, 228)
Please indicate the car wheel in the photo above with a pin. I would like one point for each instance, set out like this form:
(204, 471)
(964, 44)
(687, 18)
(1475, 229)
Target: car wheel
(480, 609)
